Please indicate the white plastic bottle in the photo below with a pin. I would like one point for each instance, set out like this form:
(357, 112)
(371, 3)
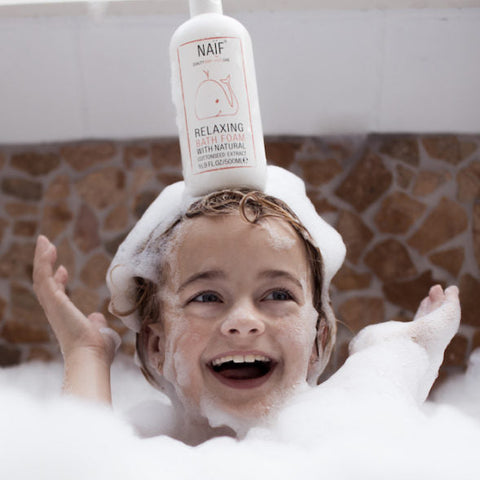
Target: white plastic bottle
(214, 89)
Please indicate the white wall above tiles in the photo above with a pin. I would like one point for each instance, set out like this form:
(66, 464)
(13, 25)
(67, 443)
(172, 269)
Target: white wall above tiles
(319, 72)
(135, 7)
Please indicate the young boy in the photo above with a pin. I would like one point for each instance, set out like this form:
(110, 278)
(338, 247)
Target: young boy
(229, 297)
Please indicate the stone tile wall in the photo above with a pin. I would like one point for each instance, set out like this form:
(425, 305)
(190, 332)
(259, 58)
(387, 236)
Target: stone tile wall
(407, 206)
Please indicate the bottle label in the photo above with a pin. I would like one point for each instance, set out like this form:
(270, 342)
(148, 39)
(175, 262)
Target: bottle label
(217, 107)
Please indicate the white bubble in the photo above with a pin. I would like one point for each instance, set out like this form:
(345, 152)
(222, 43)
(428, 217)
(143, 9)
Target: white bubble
(325, 432)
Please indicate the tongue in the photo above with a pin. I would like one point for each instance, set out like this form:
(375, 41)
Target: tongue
(242, 373)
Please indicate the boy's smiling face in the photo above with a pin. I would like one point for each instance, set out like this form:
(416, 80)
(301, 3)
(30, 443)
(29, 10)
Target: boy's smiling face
(238, 324)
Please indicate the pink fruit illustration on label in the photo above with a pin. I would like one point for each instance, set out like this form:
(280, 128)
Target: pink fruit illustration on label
(215, 98)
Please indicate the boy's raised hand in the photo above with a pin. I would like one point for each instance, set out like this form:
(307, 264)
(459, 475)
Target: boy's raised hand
(86, 342)
(435, 323)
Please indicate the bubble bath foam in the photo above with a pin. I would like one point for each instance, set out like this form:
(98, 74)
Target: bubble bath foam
(214, 90)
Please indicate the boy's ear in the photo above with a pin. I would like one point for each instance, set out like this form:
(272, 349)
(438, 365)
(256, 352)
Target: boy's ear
(155, 342)
(313, 356)
(321, 340)
(323, 334)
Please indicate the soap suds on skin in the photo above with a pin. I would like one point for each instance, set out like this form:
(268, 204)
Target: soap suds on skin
(182, 371)
(137, 255)
(277, 241)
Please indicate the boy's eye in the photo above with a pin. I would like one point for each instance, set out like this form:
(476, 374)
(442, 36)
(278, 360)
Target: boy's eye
(206, 297)
(279, 295)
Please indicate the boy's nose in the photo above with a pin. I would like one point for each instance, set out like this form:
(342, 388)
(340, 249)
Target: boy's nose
(242, 322)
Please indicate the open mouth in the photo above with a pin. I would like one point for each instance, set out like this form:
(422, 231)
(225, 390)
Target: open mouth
(242, 371)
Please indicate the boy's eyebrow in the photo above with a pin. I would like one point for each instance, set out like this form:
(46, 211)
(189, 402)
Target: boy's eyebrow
(273, 274)
(207, 275)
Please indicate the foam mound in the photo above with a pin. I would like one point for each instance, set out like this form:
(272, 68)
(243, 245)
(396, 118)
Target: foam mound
(337, 431)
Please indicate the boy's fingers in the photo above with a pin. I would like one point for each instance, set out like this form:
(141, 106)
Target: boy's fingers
(44, 247)
(98, 319)
(61, 276)
(436, 296)
(44, 259)
(46, 283)
(435, 291)
(452, 292)
(112, 337)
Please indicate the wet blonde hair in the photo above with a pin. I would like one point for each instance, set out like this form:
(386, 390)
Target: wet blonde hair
(252, 206)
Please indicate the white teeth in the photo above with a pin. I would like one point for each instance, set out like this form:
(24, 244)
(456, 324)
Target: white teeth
(249, 358)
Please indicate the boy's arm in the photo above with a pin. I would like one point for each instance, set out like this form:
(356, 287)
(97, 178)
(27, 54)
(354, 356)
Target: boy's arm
(406, 355)
(87, 375)
(88, 346)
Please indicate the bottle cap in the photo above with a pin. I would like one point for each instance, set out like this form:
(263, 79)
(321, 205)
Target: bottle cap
(198, 7)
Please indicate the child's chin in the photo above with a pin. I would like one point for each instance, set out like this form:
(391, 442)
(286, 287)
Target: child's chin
(239, 419)
(243, 414)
